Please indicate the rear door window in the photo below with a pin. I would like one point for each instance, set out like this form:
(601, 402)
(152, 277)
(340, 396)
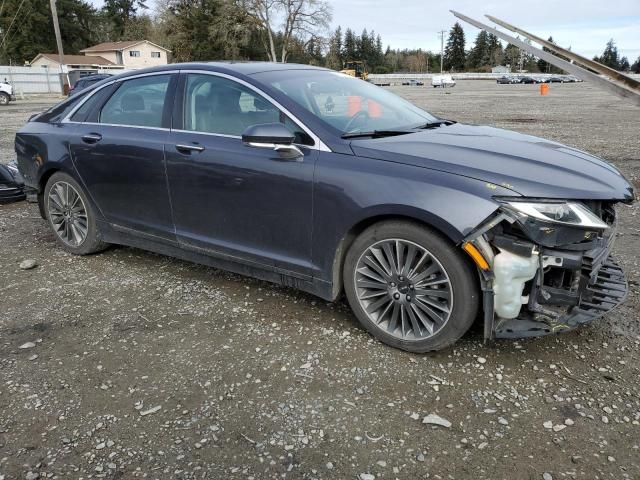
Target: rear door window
(137, 102)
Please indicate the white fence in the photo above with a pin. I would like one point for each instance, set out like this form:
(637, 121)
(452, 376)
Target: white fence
(39, 80)
(395, 78)
(28, 80)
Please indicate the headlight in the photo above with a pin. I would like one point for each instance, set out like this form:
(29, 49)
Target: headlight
(566, 213)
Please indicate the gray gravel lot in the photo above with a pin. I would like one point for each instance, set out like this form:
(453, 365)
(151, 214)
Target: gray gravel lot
(136, 365)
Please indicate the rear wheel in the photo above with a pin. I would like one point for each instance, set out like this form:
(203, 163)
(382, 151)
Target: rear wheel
(409, 287)
(71, 216)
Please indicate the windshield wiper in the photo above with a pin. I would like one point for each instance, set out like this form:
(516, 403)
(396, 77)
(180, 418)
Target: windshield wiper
(376, 133)
(436, 124)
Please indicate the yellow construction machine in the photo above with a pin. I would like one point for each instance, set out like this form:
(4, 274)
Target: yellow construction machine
(356, 68)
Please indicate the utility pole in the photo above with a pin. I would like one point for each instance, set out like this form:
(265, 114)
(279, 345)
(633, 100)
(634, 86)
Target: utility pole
(56, 29)
(441, 32)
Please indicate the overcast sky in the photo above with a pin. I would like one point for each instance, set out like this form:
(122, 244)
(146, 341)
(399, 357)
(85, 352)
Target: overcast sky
(583, 25)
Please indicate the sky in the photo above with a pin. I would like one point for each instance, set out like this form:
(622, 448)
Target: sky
(584, 25)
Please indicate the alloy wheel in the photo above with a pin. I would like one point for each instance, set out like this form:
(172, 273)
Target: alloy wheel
(403, 289)
(68, 214)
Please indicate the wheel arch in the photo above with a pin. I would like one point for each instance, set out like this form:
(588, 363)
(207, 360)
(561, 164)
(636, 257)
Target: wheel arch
(410, 215)
(47, 171)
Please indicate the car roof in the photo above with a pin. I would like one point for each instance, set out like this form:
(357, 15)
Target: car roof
(242, 68)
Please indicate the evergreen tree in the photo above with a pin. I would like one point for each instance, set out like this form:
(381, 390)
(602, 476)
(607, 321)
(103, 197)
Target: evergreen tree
(495, 51)
(334, 56)
(209, 30)
(349, 46)
(454, 54)
(610, 56)
(546, 67)
(119, 13)
(32, 31)
(479, 52)
(512, 56)
(624, 64)
(635, 68)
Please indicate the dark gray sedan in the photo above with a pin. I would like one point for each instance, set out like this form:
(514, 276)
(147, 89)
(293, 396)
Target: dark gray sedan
(322, 182)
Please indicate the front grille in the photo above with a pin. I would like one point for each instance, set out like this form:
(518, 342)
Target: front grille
(595, 258)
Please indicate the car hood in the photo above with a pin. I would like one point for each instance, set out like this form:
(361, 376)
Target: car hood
(528, 165)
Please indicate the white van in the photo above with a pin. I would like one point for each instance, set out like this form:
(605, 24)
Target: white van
(443, 81)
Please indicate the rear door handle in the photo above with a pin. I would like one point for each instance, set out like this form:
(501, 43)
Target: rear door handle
(91, 138)
(189, 148)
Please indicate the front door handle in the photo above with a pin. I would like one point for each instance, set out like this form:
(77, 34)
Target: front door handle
(91, 138)
(189, 148)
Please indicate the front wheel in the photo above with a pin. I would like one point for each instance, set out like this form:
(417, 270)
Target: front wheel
(409, 287)
(4, 98)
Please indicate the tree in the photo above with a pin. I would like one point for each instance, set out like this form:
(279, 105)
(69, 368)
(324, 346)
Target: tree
(334, 56)
(479, 51)
(512, 56)
(208, 30)
(32, 31)
(546, 67)
(635, 68)
(120, 13)
(454, 54)
(301, 19)
(495, 51)
(349, 47)
(624, 64)
(610, 56)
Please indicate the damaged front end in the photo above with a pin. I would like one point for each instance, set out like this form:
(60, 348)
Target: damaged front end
(546, 266)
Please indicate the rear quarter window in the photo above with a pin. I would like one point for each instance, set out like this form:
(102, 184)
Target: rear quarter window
(56, 113)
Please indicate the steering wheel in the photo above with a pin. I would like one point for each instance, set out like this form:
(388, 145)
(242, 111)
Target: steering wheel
(360, 115)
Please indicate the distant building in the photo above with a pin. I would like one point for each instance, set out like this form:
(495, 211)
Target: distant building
(130, 54)
(108, 56)
(73, 62)
(501, 69)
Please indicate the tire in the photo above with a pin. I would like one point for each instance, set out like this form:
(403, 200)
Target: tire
(449, 292)
(4, 98)
(81, 237)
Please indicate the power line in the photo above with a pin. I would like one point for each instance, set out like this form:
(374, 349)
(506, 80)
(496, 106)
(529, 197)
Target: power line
(11, 24)
(26, 14)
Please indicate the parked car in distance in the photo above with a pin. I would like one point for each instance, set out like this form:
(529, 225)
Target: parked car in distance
(413, 82)
(555, 80)
(6, 92)
(443, 81)
(319, 181)
(527, 80)
(508, 79)
(87, 81)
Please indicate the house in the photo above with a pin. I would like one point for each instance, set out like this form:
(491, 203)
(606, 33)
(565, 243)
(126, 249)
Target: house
(130, 53)
(73, 62)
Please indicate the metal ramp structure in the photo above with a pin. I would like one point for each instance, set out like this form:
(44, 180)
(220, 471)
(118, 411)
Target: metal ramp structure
(606, 78)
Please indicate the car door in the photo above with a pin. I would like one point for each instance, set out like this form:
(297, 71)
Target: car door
(118, 151)
(232, 199)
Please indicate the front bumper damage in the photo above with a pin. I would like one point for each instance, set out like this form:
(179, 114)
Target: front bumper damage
(546, 281)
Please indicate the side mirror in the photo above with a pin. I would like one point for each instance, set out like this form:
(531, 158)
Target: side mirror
(274, 136)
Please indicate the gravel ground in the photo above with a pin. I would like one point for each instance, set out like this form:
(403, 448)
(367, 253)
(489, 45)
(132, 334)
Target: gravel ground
(133, 365)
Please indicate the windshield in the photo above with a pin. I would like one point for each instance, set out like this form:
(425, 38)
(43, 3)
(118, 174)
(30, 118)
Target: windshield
(348, 104)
